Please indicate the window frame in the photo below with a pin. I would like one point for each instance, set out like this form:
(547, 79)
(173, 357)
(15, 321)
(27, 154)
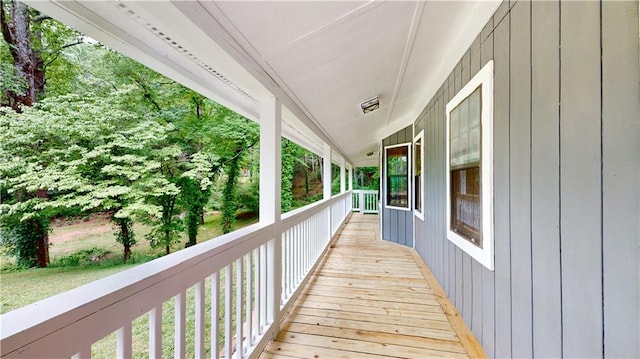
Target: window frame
(409, 147)
(418, 212)
(484, 80)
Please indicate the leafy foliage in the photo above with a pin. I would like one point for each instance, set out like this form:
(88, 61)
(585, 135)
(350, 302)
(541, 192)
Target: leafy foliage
(290, 155)
(21, 238)
(366, 178)
(335, 179)
(195, 185)
(85, 158)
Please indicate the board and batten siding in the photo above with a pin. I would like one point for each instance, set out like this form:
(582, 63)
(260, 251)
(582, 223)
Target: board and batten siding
(397, 225)
(566, 183)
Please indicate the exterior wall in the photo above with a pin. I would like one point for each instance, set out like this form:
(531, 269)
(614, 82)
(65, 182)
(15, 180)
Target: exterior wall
(566, 178)
(397, 225)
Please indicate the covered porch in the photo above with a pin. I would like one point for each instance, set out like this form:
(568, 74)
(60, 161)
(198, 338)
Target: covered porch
(561, 145)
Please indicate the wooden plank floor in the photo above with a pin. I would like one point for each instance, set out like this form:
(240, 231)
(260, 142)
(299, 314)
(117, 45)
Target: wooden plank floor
(372, 299)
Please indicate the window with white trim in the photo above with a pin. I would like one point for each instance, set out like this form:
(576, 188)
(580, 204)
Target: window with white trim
(469, 153)
(418, 170)
(397, 185)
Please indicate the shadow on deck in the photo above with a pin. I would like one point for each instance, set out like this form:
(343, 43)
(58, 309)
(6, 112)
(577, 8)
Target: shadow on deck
(372, 299)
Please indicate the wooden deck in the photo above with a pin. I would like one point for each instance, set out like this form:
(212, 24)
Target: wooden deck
(372, 299)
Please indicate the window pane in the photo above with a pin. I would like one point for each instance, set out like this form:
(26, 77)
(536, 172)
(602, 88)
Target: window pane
(466, 215)
(474, 126)
(463, 134)
(455, 147)
(464, 122)
(398, 176)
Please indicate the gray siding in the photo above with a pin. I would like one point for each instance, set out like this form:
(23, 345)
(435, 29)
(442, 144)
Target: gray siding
(545, 168)
(620, 159)
(397, 225)
(487, 298)
(566, 183)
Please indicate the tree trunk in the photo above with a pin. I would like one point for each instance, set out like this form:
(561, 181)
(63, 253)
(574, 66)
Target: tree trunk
(39, 71)
(126, 244)
(41, 229)
(306, 182)
(27, 63)
(168, 208)
(43, 244)
(125, 236)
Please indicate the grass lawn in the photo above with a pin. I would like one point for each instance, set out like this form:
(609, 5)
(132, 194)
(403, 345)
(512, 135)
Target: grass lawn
(24, 287)
(21, 287)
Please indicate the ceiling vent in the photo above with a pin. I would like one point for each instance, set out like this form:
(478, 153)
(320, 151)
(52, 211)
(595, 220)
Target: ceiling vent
(370, 104)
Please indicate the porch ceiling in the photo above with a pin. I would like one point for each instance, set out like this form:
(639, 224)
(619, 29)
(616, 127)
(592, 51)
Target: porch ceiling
(320, 58)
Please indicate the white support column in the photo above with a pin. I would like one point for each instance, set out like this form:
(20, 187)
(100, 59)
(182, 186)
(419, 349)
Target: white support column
(343, 179)
(270, 161)
(350, 186)
(326, 182)
(270, 186)
(326, 172)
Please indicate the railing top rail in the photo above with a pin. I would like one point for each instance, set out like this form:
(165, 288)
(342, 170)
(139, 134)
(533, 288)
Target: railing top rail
(366, 190)
(298, 215)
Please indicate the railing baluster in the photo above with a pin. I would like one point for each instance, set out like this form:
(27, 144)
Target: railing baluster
(290, 262)
(239, 321)
(309, 236)
(123, 341)
(301, 253)
(263, 287)
(215, 314)
(155, 332)
(285, 267)
(270, 289)
(292, 257)
(296, 231)
(312, 235)
(303, 256)
(228, 335)
(291, 240)
(249, 309)
(199, 325)
(307, 248)
(179, 334)
(258, 291)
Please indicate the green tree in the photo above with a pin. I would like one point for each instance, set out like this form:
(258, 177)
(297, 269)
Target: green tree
(234, 137)
(366, 178)
(291, 156)
(40, 158)
(87, 158)
(166, 229)
(129, 182)
(31, 44)
(195, 191)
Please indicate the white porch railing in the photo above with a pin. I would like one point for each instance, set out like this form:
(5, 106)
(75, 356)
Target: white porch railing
(230, 277)
(365, 201)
